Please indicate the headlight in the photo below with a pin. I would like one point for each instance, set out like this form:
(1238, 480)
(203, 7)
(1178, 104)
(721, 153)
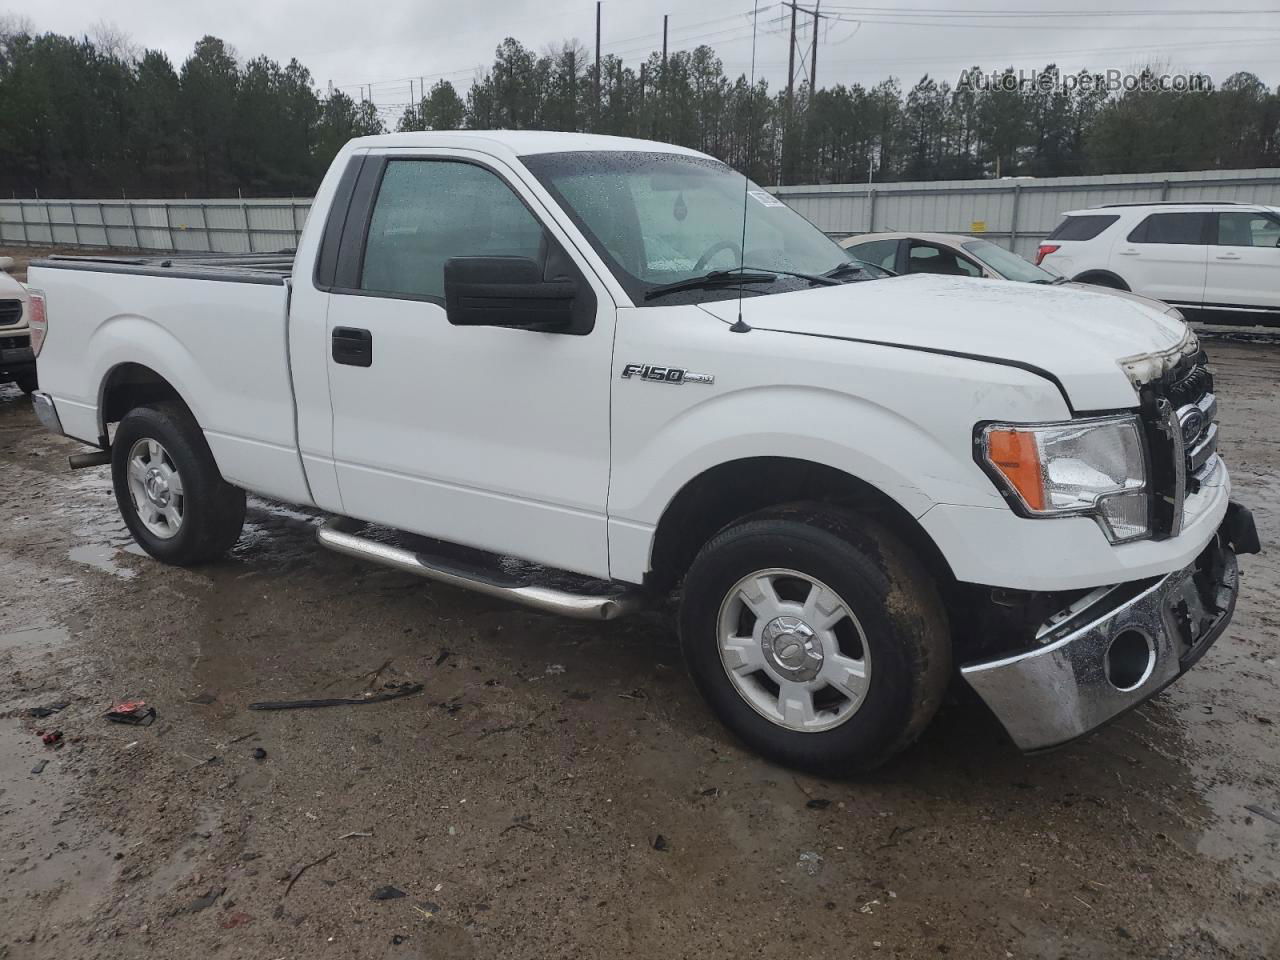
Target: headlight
(1078, 468)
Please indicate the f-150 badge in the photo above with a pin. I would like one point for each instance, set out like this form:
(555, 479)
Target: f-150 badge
(673, 375)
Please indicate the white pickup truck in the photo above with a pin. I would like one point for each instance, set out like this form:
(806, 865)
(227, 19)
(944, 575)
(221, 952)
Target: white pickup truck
(580, 351)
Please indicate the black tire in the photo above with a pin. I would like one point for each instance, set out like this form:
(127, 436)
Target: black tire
(882, 584)
(212, 510)
(1108, 280)
(28, 384)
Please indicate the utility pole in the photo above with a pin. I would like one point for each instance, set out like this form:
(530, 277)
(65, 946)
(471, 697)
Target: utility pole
(598, 4)
(813, 56)
(664, 39)
(791, 63)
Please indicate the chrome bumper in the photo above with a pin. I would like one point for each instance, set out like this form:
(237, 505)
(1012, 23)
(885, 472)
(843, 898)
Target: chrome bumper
(1119, 649)
(46, 412)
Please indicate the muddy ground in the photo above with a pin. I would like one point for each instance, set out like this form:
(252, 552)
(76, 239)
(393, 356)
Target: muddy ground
(518, 800)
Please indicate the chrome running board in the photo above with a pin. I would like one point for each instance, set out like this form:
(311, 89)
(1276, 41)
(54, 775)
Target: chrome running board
(338, 533)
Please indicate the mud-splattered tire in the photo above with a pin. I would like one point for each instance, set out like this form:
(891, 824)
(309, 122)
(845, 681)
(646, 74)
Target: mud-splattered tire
(817, 637)
(168, 488)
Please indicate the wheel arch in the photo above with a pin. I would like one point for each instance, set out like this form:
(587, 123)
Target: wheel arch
(1102, 278)
(735, 489)
(128, 385)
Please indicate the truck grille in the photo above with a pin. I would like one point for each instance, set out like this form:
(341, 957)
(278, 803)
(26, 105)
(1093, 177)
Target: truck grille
(1180, 414)
(10, 312)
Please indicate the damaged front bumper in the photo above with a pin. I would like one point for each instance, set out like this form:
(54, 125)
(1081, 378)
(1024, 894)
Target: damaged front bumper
(1117, 647)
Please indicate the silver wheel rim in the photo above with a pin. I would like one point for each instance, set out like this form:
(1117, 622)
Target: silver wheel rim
(793, 650)
(155, 486)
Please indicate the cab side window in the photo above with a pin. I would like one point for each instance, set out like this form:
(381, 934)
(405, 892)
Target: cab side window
(1170, 228)
(931, 258)
(429, 211)
(1247, 230)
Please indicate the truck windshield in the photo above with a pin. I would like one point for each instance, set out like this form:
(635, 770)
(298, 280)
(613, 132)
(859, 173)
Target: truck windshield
(657, 219)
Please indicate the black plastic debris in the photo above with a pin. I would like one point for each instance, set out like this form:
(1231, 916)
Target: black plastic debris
(39, 767)
(444, 655)
(660, 843)
(818, 803)
(259, 753)
(41, 712)
(387, 893)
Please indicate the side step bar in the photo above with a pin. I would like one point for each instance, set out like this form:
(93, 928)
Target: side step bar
(338, 533)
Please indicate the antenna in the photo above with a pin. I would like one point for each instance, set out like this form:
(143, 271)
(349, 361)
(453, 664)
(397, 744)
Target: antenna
(739, 325)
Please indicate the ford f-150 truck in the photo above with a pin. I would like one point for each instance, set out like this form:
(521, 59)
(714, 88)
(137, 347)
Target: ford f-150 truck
(643, 376)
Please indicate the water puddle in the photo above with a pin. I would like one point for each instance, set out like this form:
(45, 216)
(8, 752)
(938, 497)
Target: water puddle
(101, 556)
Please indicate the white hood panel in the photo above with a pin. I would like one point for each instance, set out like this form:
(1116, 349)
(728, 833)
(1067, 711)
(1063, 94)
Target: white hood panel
(1076, 335)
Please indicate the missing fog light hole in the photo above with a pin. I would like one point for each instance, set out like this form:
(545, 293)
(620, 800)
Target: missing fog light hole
(1130, 660)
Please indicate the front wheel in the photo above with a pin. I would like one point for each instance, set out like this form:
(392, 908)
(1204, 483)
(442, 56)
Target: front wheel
(168, 488)
(817, 637)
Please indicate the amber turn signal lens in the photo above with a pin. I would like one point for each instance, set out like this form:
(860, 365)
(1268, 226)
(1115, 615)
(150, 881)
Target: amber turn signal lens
(1014, 454)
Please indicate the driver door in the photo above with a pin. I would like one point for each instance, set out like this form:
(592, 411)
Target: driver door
(491, 437)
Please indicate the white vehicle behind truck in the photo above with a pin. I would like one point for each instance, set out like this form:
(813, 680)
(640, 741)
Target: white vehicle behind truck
(618, 360)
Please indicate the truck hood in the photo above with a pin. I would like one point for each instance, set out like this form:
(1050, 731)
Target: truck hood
(1075, 336)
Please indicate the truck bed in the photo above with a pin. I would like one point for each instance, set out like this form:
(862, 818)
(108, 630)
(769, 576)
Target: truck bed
(272, 268)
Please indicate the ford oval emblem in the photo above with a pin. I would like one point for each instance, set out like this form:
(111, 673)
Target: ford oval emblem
(1192, 426)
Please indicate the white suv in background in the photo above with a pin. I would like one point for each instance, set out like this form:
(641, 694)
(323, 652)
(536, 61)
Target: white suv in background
(1216, 261)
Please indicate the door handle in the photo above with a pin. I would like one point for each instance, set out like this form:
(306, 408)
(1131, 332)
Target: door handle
(1129, 253)
(352, 346)
(1226, 256)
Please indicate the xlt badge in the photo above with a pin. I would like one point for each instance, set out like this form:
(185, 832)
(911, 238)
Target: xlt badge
(674, 375)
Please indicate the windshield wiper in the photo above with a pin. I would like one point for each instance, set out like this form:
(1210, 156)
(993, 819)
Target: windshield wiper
(1052, 283)
(841, 269)
(716, 278)
(825, 279)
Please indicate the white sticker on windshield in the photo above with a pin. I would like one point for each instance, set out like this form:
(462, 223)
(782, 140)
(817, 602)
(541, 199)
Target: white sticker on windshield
(765, 198)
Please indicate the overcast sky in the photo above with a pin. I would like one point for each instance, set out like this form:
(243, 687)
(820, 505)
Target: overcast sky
(381, 46)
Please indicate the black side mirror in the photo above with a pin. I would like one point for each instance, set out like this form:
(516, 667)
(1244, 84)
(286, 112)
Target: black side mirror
(506, 292)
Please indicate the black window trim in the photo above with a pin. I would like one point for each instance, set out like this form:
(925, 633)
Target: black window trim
(1111, 220)
(956, 250)
(364, 187)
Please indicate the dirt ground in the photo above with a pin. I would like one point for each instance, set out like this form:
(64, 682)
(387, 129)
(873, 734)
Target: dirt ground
(518, 801)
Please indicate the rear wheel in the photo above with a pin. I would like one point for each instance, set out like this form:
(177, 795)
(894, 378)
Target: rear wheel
(168, 488)
(817, 637)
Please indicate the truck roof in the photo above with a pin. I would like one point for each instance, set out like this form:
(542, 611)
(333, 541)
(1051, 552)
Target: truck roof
(521, 143)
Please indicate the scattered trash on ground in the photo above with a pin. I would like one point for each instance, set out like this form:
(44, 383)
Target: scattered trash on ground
(41, 712)
(208, 900)
(636, 694)
(259, 753)
(393, 693)
(1262, 812)
(554, 669)
(711, 792)
(51, 738)
(660, 843)
(810, 862)
(135, 712)
(355, 833)
(388, 893)
(818, 803)
(243, 737)
(427, 908)
(444, 655)
(39, 767)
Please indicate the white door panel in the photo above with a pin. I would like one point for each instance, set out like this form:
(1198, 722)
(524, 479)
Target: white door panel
(495, 438)
(1165, 257)
(1244, 263)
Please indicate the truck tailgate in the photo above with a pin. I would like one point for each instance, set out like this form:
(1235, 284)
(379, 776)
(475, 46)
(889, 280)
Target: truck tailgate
(219, 339)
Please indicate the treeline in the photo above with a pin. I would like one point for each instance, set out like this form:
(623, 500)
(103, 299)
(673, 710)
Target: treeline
(94, 118)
